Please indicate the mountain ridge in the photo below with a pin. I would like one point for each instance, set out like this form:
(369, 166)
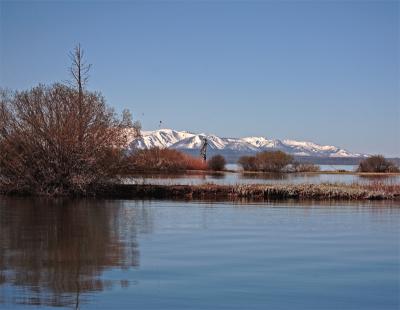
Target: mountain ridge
(185, 140)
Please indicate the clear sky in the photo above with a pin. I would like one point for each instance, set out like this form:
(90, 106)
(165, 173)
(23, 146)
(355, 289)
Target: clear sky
(324, 71)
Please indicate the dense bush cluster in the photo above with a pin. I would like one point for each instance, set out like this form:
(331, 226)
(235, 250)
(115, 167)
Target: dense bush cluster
(216, 163)
(377, 163)
(57, 140)
(274, 161)
(163, 160)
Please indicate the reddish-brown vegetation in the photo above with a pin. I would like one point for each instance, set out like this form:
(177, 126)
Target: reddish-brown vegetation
(52, 143)
(377, 163)
(162, 160)
(274, 161)
(383, 187)
(326, 191)
(216, 163)
(58, 140)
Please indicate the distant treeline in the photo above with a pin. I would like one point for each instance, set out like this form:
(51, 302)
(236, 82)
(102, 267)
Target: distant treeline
(232, 157)
(274, 161)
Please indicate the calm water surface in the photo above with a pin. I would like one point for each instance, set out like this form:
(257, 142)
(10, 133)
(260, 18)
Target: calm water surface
(192, 255)
(322, 167)
(255, 178)
(266, 178)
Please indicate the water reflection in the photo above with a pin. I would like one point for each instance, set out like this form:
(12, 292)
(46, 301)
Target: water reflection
(199, 255)
(53, 253)
(259, 178)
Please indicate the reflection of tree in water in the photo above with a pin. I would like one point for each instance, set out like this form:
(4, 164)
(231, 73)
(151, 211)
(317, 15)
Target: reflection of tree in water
(53, 252)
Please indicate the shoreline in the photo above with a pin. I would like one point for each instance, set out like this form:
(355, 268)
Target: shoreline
(211, 172)
(253, 192)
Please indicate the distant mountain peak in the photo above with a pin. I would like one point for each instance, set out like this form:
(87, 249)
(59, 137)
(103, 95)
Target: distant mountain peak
(185, 140)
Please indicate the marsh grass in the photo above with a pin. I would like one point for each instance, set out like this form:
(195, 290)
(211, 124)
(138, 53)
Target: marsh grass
(325, 191)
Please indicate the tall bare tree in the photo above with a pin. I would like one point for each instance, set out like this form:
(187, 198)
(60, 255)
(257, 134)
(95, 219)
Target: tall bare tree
(60, 139)
(79, 69)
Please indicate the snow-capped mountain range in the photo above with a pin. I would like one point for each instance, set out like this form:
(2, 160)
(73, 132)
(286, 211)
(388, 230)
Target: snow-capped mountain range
(184, 140)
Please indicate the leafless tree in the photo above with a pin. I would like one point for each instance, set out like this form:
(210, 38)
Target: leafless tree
(377, 163)
(79, 69)
(59, 139)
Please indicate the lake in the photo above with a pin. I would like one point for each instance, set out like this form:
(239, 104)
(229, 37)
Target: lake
(231, 178)
(237, 167)
(118, 254)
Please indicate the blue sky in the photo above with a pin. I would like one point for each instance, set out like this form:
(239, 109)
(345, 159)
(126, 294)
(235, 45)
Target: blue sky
(325, 71)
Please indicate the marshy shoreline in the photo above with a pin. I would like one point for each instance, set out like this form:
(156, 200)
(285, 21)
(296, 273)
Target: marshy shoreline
(254, 192)
(327, 191)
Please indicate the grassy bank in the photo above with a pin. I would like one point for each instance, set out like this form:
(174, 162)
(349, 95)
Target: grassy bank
(256, 192)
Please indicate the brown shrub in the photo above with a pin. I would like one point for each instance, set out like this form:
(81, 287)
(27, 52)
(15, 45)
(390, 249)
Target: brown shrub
(216, 163)
(274, 161)
(56, 140)
(377, 163)
(163, 160)
(384, 187)
(248, 163)
(194, 163)
(297, 167)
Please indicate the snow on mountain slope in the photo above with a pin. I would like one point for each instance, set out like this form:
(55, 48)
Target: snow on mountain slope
(261, 142)
(195, 142)
(161, 138)
(168, 138)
